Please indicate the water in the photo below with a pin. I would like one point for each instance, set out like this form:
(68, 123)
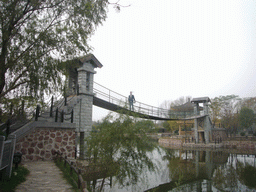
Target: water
(184, 170)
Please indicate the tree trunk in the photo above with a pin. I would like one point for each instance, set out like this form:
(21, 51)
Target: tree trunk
(3, 65)
(2, 76)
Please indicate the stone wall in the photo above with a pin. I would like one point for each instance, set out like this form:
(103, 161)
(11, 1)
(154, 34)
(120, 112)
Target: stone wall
(244, 145)
(171, 142)
(218, 133)
(42, 143)
(248, 145)
(83, 114)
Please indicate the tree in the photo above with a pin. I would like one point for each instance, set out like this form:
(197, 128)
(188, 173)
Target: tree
(246, 117)
(249, 102)
(36, 35)
(181, 107)
(180, 101)
(229, 112)
(225, 109)
(147, 125)
(171, 125)
(215, 109)
(118, 143)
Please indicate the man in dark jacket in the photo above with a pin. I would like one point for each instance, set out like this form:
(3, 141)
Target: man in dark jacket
(131, 99)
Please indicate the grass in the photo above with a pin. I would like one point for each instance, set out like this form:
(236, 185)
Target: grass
(71, 178)
(18, 176)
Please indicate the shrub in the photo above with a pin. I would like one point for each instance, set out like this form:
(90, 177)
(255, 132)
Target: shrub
(71, 178)
(18, 176)
(242, 133)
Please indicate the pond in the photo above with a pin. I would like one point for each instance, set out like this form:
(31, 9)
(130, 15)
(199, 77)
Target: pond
(184, 170)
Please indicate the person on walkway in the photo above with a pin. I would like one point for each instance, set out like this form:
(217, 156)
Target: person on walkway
(131, 100)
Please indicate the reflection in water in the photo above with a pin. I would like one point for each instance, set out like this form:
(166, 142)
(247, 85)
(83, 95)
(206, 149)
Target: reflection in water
(181, 170)
(209, 171)
(247, 174)
(238, 173)
(191, 170)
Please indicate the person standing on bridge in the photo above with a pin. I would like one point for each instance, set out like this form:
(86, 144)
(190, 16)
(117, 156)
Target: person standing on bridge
(131, 100)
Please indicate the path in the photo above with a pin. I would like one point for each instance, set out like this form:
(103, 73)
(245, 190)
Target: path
(44, 176)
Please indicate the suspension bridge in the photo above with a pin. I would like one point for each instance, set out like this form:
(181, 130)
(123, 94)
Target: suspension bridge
(113, 101)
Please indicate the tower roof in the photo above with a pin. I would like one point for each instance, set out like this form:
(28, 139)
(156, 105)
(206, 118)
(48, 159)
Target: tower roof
(200, 100)
(92, 59)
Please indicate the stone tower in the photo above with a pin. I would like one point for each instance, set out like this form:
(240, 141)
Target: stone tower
(203, 119)
(80, 87)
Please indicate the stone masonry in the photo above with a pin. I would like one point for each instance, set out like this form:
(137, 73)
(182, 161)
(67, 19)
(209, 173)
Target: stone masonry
(83, 78)
(247, 145)
(83, 109)
(83, 112)
(42, 143)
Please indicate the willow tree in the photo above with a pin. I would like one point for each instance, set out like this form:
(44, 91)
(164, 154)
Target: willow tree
(35, 35)
(119, 146)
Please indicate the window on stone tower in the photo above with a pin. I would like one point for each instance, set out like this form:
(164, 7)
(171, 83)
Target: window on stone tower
(88, 81)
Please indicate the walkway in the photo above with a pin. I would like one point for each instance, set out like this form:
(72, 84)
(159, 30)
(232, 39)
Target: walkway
(111, 100)
(44, 176)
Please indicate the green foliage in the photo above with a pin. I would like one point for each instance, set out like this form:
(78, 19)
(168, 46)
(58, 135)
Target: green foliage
(215, 109)
(166, 125)
(66, 174)
(18, 176)
(226, 109)
(1, 133)
(37, 35)
(242, 133)
(246, 117)
(19, 108)
(249, 102)
(171, 125)
(119, 140)
(147, 125)
(247, 174)
(226, 179)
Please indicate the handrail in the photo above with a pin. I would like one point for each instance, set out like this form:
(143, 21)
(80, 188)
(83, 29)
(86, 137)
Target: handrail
(80, 182)
(121, 100)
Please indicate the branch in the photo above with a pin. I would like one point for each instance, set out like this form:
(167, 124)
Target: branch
(119, 5)
(17, 78)
(12, 84)
(36, 41)
(10, 89)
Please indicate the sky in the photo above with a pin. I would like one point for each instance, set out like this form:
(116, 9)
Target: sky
(166, 49)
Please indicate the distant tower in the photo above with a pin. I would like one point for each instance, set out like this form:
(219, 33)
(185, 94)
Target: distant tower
(202, 119)
(80, 83)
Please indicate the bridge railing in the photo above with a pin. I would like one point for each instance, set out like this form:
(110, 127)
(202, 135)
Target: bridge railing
(109, 95)
(113, 97)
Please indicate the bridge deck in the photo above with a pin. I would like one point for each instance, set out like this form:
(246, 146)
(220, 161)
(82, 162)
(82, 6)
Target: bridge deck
(116, 108)
(113, 107)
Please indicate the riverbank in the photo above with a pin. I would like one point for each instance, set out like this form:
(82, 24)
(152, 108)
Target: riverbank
(240, 144)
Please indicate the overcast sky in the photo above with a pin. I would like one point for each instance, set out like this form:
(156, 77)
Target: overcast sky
(162, 50)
